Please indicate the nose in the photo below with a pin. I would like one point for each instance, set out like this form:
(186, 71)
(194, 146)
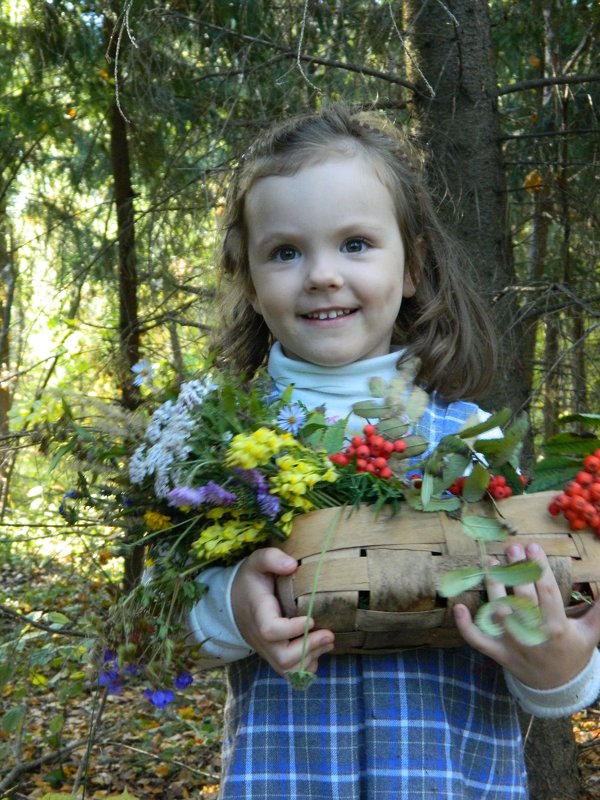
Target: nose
(323, 272)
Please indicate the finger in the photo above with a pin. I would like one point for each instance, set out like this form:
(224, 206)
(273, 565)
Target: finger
(494, 589)
(591, 622)
(272, 560)
(548, 593)
(515, 553)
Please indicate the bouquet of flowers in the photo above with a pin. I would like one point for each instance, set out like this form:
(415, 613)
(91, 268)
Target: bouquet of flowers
(225, 467)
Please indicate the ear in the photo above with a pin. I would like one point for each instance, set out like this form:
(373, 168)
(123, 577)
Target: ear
(251, 297)
(408, 285)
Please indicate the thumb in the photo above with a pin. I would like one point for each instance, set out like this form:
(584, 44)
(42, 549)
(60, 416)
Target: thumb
(272, 560)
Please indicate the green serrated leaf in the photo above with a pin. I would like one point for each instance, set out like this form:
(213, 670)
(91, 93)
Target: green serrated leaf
(483, 529)
(570, 444)
(525, 622)
(368, 409)
(476, 484)
(516, 574)
(377, 387)
(454, 467)
(413, 498)
(392, 427)
(460, 580)
(417, 403)
(498, 420)
(334, 436)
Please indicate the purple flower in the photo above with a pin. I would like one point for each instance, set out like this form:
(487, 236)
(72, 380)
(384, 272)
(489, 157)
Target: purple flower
(216, 495)
(111, 679)
(211, 494)
(291, 418)
(160, 697)
(269, 504)
(182, 680)
(254, 478)
(185, 496)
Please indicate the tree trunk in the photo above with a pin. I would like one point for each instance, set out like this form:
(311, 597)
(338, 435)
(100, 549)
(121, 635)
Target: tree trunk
(129, 332)
(6, 302)
(450, 60)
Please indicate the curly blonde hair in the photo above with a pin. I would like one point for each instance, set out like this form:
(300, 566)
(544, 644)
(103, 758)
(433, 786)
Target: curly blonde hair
(444, 323)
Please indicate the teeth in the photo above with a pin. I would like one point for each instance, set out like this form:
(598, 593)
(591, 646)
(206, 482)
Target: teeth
(329, 314)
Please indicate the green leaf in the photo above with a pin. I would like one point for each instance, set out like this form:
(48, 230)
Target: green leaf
(57, 618)
(507, 449)
(476, 484)
(377, 387)
(7, 670)
(570, 444)
(426, 489)
(392, 427)
(56, 724)
(334, 436)
(498, 420)
(483, 529)
(417, 403)
(371, 410)
(12, 720)
(525, 622)
(454, 467)
(585, 419)
(516, 574)
(413, 498)
(460, 580)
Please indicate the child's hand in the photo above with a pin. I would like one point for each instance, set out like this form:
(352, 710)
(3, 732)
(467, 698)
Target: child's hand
(570, 642)
(277, 639)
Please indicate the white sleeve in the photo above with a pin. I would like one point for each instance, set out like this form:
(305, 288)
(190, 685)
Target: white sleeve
(211, 620)
(580, 692)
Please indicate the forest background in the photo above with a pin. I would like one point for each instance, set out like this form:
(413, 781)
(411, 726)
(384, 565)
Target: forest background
(119, 124)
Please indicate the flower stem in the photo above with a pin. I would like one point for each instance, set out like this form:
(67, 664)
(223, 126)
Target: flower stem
(302, 678)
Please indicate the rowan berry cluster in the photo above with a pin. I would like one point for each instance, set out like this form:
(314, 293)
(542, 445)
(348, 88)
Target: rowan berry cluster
(579, 503)
(369, 453)
(497, 488)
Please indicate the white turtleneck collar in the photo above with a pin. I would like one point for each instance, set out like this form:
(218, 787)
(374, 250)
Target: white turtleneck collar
(336, 388)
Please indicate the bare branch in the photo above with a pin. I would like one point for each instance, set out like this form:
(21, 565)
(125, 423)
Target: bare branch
(556, 80)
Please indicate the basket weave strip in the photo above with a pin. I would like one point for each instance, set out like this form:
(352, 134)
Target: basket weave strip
(377, 588)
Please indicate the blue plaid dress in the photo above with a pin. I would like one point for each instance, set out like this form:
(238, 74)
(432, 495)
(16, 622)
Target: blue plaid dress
(412, 725)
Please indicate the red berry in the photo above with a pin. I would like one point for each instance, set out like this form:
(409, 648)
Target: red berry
(577, 524)
(386, 473)
(594, 490)
(592, 462)
(554, 509)
(573, 489)
(361, 464)
(584, 478)
(369, 430)
(387, 448)
(380, 462)
(357, 441)
(370, 467)
(400, 445)
(363, 451)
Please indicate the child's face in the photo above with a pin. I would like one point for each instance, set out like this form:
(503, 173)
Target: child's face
(327, 261)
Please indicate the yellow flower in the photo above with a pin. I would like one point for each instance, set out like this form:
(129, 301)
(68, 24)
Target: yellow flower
(156, 521)
(251, 450)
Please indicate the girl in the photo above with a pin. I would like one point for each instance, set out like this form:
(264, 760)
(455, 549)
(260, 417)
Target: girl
(338, 271)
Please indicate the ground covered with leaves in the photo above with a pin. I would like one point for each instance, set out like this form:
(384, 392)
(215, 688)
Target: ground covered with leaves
(60, 733)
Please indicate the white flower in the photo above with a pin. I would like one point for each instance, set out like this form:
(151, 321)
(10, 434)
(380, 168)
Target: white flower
(193, 393)
(143, 372)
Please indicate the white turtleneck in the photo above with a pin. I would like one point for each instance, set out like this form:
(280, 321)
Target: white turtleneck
(212, 622)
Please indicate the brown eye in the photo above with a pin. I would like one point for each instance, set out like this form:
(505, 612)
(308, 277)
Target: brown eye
(355, 245)
(285, 253)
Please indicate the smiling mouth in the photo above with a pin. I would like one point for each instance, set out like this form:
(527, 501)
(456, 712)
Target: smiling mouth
(333, 313)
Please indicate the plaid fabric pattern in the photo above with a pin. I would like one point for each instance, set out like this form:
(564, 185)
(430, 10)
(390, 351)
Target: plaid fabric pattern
(413, 725)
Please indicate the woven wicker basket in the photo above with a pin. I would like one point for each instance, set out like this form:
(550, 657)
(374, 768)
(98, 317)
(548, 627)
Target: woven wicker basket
(377, 589)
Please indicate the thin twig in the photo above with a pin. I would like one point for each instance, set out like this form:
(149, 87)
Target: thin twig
(201, 773)
(25, 620)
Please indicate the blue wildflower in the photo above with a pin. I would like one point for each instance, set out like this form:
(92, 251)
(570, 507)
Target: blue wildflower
(254, 478)
(111, 679)
(269, 504)
(182, 680)
(291, 418)
(160, 697)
